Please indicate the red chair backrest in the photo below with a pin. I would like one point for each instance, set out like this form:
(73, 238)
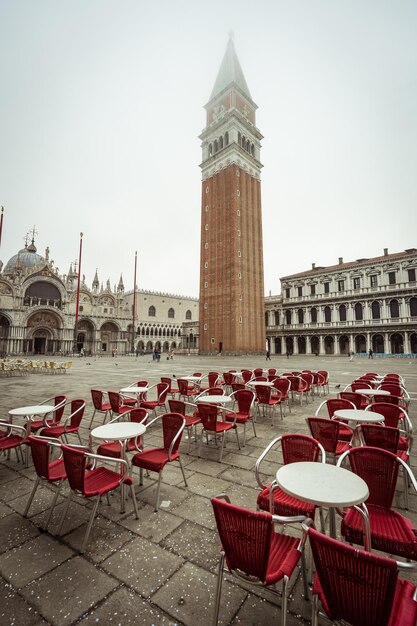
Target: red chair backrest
(229, 377)
(172, 423)
(379, 436)
(41, 454)
(353, 397)
(237, 386)
(358, 586)
(325, 431)
(296, 448)
(213, 379)
(295, 382)
(75, 464)
(387, 399)
(244, 399)
(379, 469)
(166, 380)
(272, 371)
(115, 401)
(215, 391)
(162, 390)
(97, 397)
(208, 415)
(396, 390)
(258, 371)
(182, 386)
(177, 406)
(245, 536)
(392, 413)
(59, 412)
(337, 404)
(325, 375)
(77, 411)
(357, 385)
(283, 385)
(247, 375)
(263, 393)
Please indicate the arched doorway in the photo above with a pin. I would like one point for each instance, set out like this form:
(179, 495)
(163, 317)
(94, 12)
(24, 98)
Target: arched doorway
(277, 341)
(149, 347)
(315, 345)
(165, 347)
(329, 345)
(378, 344)
(140, 347)
(85, 336)
(301, 343)
(413, 343)
(4, 334)
(43, 333)
(109, 334)
(360, 344)
(289, 345)
(397, 343)
(344, 344)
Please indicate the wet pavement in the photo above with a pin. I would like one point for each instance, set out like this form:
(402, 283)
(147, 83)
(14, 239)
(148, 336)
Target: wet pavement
(161, 568)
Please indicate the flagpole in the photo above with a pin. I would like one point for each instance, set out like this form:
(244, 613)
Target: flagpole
(1, 222)
(134, 304)
(77, 304)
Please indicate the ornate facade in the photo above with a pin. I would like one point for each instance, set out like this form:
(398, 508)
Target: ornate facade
(367, 304)
(231, 257)
(38, 304)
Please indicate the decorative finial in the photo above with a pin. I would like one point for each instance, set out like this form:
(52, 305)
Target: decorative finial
(34, 232)
(81, 235)
(231, 35)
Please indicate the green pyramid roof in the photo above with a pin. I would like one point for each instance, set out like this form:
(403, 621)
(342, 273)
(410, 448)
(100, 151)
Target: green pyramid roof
(230, 72)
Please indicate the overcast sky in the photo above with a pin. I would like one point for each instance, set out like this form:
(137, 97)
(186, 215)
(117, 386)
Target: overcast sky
(101, 105)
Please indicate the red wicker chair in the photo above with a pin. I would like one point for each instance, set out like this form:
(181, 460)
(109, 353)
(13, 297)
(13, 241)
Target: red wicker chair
(327, 432)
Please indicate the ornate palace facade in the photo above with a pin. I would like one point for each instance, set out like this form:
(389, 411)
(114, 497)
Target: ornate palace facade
(348, 307)
(37, 313)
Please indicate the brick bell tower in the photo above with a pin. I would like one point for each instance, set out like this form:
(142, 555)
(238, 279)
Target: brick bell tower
(232, 318)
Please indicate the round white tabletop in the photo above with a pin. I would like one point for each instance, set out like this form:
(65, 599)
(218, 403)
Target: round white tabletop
(322, 484)
(358, 415)
(134, 389)
(261, 383)
(118, 431)
(215, 399)
(28, 411)
(193, 379)
(373, 392)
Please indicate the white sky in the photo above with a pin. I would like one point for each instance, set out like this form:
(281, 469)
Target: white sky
(101, 105)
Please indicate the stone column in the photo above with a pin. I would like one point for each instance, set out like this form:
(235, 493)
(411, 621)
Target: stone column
(321, 344)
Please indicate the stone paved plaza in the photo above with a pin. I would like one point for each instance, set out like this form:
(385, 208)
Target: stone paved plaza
(159, 569)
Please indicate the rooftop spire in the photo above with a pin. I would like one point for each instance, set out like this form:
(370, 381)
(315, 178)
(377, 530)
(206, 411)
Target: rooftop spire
(230, 72)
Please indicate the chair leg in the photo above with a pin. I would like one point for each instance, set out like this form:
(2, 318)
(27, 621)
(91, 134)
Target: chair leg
(405, 477)
(35, 486)
(284, 601)
(315, 611)
(221, 449)
(65, 513)
(218, 590)
(237, 437)
(135, 504)
(91, 421)
(201, 441)
(54, 501)
(90, 524)
(304, 575)
(158, 490)
(183, 474)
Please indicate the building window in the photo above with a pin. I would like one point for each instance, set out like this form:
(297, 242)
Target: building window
(239, 275)
(356, 283)
(340, 285)
(375, 311)
(240, 319)
(239, 254)
(342, 313)
(300, 291)
(287, 292)
(327, 314)
(238, 233)
(413, 307)
(300, 314)
(206, 208)
(171, 313)
(288, 316)
(412, 276)
(81, 308)
(151, 311)
(206, 227)
(394, 308)
(238, 193)
(206, 264)
(238, 213)
(205, 326)
(205, 285)
(391, 278)
(326, 287)
(276, 318)
(373, 280)
(206, 305)
(358, 312)
(207, 189)
(313, 290)
(206, 246)
(313, 314)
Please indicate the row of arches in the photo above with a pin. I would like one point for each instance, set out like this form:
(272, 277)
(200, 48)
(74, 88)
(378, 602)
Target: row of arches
(150, 346)
(246, 144)
(341, 312)
(152, 331)
(218, 144)
(343, 344)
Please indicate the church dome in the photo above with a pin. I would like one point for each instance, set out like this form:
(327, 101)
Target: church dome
(27, 258)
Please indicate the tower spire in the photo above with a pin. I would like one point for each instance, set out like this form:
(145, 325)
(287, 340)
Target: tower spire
(230, 72)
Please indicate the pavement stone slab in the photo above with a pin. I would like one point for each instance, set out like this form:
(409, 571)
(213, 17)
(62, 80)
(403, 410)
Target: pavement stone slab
(32, 559)
(15, 530)
(195, 543)
(64, 594)
(106, 537)
(142, 565)
(15, 611)
(197, 509)
(151, 525)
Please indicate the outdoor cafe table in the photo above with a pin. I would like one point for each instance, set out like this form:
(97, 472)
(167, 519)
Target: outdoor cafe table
(261, 383)
(122, 432)
(30, 412)
(360, 416)
(325, 485)
(373, 392)
(215, 399)
(134, 389)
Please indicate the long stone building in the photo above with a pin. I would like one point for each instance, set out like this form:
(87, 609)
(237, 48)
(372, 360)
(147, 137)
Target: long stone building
(38, 304)
(356, 306)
